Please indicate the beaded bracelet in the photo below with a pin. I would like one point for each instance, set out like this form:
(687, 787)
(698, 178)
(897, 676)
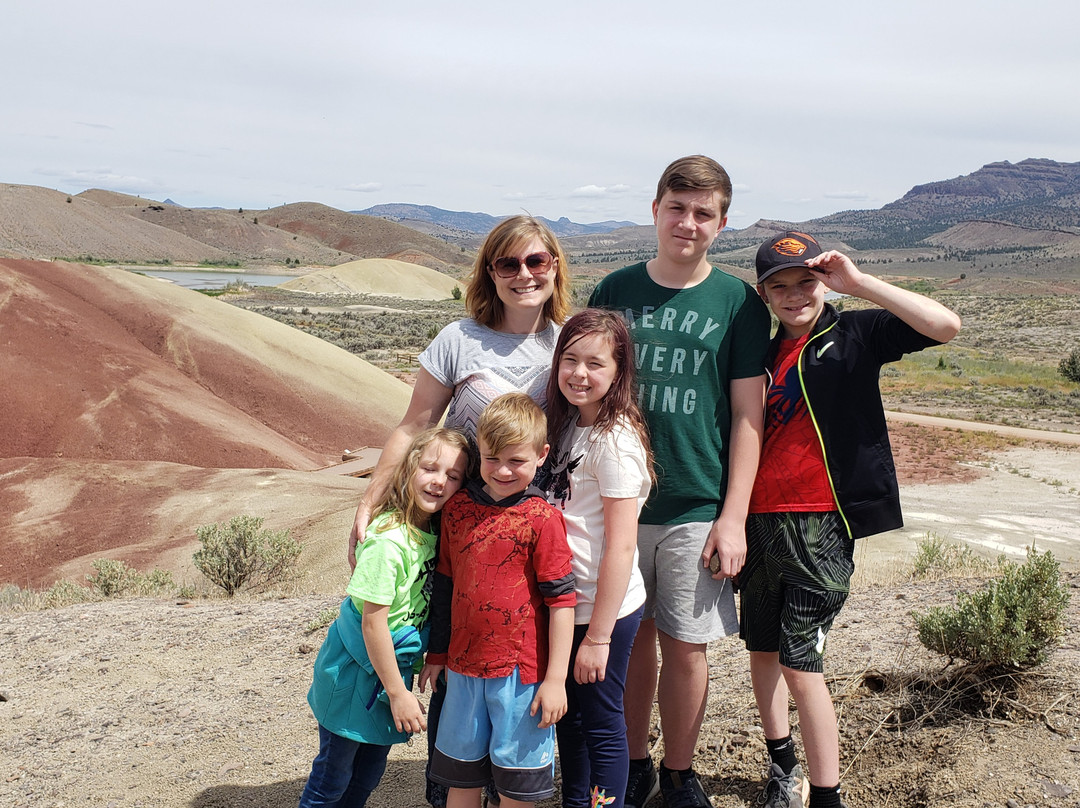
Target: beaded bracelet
(595, 641)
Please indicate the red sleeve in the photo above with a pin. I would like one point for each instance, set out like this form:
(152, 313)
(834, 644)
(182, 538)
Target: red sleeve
(551, 560)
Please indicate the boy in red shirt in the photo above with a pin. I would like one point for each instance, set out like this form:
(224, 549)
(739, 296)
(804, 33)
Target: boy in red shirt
(502, 618)
(825, 478)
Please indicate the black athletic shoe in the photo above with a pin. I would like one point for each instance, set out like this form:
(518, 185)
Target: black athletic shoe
(642, 784)
(680, 791)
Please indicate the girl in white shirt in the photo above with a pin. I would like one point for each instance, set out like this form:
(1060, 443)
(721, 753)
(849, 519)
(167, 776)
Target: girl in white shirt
(600, 474)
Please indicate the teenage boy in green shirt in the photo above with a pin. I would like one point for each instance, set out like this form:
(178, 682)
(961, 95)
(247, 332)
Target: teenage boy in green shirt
(700, 339)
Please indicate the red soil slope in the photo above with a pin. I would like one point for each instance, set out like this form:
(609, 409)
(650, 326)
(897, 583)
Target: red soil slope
(133, 411)
(99, 363)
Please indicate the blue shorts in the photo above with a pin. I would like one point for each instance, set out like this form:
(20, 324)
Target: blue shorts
(486, 733)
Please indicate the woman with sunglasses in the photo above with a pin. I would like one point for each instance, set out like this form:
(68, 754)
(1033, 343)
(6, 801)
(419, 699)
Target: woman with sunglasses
(517, 298)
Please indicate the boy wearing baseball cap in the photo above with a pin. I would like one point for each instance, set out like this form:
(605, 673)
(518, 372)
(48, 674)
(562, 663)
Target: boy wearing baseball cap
(825, 478)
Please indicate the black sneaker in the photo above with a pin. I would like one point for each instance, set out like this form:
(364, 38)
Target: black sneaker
(680, 791)
(642, 784)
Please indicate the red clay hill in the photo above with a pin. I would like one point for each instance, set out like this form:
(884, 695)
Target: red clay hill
(120, 392)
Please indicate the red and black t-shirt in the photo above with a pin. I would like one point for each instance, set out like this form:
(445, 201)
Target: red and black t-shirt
(792, 475)
(508, 562)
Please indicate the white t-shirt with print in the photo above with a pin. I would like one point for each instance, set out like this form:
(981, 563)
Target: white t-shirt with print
(586, 468)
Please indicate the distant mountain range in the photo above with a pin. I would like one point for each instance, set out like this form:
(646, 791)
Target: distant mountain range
(1035, 203)
(430, 219)
(1002, 207)
(1030, 204)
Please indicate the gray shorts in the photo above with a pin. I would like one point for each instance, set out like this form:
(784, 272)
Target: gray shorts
(680, 593)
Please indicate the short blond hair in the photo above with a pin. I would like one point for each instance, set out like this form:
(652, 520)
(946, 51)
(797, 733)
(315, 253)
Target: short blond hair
(512, 419)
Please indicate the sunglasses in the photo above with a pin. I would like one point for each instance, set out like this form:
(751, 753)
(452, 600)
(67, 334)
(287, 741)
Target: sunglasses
(537, 263)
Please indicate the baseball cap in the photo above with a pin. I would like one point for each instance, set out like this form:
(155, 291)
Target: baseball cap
(789, 249)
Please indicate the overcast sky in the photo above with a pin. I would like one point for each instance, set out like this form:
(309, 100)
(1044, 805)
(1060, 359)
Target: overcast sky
(559, 108)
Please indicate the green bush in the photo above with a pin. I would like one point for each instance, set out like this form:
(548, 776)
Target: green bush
(456, 293)
(66, 592)
(241, 554)
(111, 577)
(936, 558)
(1070, 366)
(155, 582)
(1009, 624)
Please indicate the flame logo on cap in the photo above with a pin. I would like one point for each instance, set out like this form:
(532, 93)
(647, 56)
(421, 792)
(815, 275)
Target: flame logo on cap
(790, 246)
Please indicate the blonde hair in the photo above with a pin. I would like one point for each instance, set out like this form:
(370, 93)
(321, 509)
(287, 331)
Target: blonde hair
(399, 499)
(482, 298)
(696, 173)
(509, 420)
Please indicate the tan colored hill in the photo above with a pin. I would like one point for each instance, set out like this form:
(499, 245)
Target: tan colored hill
(988, 235)
(240, 235)
(366, 236)
(57, 515)
(45, 224)
(377, 276)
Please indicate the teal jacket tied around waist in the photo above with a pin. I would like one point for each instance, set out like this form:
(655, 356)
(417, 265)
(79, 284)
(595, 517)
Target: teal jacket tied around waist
(346, 695)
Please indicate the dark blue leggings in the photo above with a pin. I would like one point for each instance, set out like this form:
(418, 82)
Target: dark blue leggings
(344, 773)
(592, 735)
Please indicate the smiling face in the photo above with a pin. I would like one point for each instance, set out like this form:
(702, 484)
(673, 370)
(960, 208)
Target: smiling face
(687, 223)
(439, 474)
(586, 371)
(796, 297)
(510, 471)
(525, 294)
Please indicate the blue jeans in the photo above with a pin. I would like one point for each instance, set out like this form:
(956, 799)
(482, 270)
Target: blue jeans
(344, 773)
(593, 752)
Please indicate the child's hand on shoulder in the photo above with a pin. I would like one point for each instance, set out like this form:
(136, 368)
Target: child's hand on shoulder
(408, 712)
(837, 271)
(550, 702)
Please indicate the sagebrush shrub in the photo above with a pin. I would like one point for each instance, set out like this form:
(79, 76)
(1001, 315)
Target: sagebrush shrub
(241, 554)
(1009, 624)
(112, 577)
(1070, 366)
(66, 592)
(936, 558)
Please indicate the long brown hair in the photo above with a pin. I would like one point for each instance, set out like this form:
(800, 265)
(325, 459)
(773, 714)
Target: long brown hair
(398, 500)
(482, 298)
(619, 404)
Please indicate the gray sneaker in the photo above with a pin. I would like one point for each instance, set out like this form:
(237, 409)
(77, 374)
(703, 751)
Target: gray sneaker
(642, 785)
(682, 792)
(785, 790)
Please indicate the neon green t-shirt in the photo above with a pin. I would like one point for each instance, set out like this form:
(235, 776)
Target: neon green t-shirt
(393, 568)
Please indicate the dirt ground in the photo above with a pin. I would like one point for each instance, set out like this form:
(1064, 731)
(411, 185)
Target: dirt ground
(201, 704)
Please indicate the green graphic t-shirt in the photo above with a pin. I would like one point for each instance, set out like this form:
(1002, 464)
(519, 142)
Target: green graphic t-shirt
(689, 344)
(393, 568)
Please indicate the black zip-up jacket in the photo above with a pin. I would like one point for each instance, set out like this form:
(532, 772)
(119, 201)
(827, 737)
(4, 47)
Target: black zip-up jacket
(839, 369)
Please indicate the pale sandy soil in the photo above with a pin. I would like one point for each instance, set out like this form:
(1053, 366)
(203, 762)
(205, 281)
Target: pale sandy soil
(157, 702)
(199, 705)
